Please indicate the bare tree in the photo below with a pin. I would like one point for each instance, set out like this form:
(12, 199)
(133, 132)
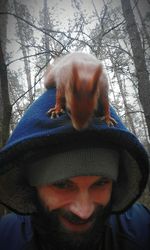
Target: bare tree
(5, 107)
(139, 60)
(144, 27)
(21, 10)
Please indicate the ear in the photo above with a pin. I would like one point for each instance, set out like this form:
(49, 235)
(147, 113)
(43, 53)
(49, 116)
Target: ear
(95, 80)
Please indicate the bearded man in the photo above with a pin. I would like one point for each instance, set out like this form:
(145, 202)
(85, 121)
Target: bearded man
(72, 189)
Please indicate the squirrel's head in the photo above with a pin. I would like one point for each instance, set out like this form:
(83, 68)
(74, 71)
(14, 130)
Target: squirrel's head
(82, 97)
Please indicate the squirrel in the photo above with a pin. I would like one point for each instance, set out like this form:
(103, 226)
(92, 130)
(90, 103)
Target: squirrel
(81, 83)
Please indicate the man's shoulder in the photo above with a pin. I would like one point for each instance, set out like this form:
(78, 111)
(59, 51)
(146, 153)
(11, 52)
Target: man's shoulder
(13, 220)
(133, 224)
(10, 218)
(15, 230)
(136, 211)
(137, 216)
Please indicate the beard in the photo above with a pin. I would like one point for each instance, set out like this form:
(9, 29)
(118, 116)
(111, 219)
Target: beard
(51, 234)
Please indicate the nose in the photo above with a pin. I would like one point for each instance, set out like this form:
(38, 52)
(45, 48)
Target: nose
(82, 205)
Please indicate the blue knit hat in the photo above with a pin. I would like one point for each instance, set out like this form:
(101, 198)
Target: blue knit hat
(37, 135)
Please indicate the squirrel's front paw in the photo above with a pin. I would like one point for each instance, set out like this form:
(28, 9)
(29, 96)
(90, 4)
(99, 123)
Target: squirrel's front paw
(110, 121)
(55, 112)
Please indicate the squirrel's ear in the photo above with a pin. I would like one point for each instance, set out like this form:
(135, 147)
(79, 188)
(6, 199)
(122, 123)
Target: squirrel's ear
(95, 80)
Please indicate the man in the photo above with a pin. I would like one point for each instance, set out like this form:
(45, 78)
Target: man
(71, 189)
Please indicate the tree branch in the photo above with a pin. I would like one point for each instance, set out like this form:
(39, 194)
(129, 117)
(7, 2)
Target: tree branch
(46, 31)
(34, 26)
(27, 91)
(20, 58)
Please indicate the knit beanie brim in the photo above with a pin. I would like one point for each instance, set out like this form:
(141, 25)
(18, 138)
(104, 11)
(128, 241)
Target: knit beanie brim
(64, 165)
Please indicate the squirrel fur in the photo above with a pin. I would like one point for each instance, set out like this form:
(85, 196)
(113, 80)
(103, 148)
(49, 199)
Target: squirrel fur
(81, 83)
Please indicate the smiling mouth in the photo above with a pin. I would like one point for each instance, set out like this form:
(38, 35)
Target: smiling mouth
(74, 226)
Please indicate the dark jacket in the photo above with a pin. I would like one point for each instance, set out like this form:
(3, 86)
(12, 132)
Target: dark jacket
(128, 231)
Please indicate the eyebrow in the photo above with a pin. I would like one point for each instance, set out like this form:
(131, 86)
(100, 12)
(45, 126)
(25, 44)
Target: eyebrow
(68, 181)
(65, 181)
(101, 180)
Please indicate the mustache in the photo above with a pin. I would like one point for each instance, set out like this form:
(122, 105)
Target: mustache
(73, 218)
(46, 217)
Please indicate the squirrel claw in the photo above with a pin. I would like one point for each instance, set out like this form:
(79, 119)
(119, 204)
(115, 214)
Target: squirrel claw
(55, 112)
(62, 111)
(111, 121)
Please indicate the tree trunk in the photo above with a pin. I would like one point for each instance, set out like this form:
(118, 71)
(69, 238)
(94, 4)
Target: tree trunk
(145, 31)
(3, 24)
(5, 107)
(24, 52)
(139, 60)
(46, 26)
(123, 94)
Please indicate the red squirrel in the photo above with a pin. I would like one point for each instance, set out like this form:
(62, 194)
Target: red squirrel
(81, 83)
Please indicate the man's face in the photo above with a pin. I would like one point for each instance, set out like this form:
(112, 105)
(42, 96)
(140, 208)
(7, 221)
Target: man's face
(76, 202)
(80, 196)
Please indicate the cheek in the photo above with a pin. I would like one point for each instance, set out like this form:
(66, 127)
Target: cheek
(102, 195)
(53, 199)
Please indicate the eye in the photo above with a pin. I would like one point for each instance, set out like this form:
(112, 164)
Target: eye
(63, 184)
(102, 182)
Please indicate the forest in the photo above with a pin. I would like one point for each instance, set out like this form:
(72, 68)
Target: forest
(34, 33)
